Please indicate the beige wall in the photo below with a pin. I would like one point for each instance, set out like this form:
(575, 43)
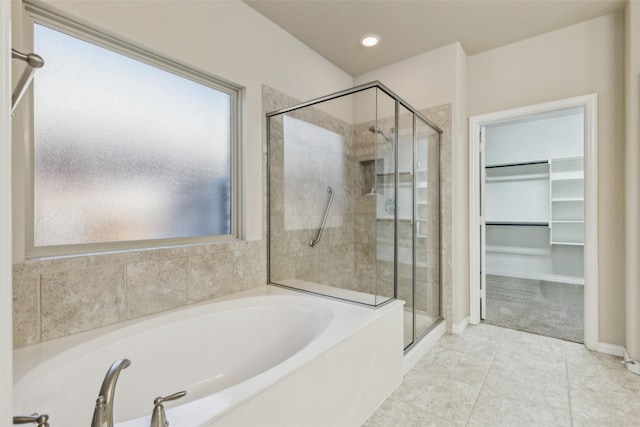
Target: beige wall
(632, 106)
(460, 184)
(426, 80)
(576, 60)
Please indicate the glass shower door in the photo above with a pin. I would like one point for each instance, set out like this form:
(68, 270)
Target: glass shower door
(406, 217)
(427, 227)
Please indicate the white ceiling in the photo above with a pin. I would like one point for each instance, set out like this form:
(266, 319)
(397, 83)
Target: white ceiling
(333, 28)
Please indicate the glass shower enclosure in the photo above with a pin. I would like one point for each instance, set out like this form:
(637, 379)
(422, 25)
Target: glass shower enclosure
(354, 202)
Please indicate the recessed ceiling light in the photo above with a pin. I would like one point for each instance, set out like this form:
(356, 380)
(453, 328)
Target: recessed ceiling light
(369, 40)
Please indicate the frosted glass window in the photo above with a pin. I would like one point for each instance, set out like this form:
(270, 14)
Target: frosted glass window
(125, 151)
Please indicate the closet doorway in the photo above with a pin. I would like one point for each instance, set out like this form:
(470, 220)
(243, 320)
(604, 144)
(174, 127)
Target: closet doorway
(533, 219)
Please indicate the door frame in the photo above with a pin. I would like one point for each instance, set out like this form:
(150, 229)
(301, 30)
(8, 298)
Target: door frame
(6, 329)
(590, 104)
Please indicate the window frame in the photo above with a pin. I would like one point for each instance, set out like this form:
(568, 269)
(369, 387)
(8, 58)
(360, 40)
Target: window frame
(34, 14)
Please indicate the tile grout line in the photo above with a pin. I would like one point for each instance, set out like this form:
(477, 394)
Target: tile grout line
(484, 380)
(39, 310)
(566, 364)
(126, 291)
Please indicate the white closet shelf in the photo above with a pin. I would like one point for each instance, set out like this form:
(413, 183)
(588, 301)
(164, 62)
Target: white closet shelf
(568, 243)
(517, 171)
(568, 199)
(543, 223)
(566, 179)
(522, 177)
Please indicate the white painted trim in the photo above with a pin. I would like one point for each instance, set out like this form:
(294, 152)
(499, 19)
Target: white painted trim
(632, 365)
(460, 327)
(475, 126)
(6, 313)
(590, 104)
(422, 347)
(612, 349)
(512, 250)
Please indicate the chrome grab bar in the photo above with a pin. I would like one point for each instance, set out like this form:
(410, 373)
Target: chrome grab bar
(324, 220)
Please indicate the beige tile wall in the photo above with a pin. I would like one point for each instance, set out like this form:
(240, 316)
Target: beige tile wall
(59, 297)
(301, 170)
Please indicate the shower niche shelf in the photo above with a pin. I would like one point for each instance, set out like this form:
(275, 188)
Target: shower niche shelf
(367, 177)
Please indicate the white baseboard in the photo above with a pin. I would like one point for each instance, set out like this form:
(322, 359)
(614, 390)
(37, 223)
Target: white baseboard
(612, 349)
(460, 327)
(632, 365)
(422, 347)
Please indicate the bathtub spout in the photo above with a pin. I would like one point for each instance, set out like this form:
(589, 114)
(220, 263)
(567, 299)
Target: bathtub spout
(103, 413)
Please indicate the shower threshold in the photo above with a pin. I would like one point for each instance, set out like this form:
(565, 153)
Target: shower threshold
(423, 322)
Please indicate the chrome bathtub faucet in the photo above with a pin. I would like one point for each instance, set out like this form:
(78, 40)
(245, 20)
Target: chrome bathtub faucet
(159, 417)
(103, 413)
(41, 420)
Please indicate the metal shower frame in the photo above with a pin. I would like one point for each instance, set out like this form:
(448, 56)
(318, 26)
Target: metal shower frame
(398, 102)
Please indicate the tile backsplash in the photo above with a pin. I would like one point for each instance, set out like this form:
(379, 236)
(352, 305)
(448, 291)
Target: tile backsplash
(57, 297)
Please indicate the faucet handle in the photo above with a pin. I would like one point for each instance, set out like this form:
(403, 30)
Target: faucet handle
(41, 420)
(159, 417)
(159, 400)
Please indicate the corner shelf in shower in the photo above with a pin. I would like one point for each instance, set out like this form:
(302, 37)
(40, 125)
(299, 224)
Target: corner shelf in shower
(406, 181)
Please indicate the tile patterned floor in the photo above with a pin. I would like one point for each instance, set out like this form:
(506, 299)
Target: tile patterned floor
(491, 376)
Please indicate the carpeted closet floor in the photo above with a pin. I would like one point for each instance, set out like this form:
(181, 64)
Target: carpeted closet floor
(546, 308)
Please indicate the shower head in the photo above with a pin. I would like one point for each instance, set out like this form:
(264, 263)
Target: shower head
(377, 130)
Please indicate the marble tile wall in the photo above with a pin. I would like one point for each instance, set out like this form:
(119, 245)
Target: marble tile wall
(58, 297)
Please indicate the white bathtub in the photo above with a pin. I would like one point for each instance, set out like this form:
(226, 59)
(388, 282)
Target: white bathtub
(267, 357)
